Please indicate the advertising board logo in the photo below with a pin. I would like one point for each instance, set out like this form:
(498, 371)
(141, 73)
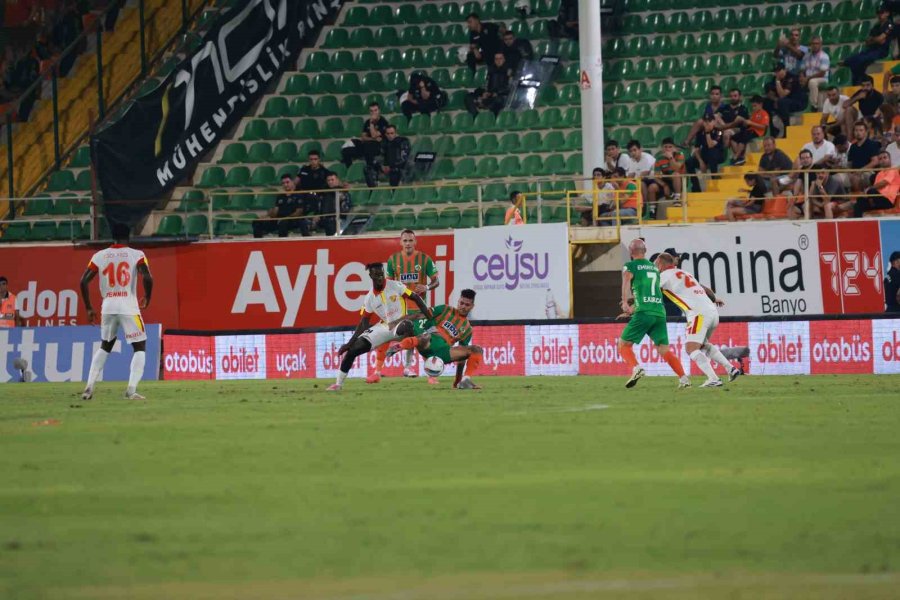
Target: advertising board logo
(198, 362)
(512, 269)
(780, 348)
(47, 307)
(552, 350)
(241, 357)
(841, 347)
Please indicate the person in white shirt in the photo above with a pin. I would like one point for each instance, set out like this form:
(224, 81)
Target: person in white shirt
(835, 117)
(385, 306)
(118, 267)
(814, 70)
(639, 165)
(820, 148)
(893, 149)
(699, 304)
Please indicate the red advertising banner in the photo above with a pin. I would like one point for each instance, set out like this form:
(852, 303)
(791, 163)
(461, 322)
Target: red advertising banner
(841, 347)
(189, 357)
(850, 263)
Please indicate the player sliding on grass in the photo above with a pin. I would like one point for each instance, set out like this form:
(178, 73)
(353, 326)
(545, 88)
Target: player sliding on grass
(118, 267)
(448, 336)
(385, 303)
(640, 283)
(698, 303)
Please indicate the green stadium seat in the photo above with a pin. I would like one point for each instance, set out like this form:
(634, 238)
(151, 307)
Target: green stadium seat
(83, 181)
(426, 195)
(325, 106)
(192, 201)
(774, 15)
(234, 154)
(348, 83)
(661, 45)
(646, 68)
(487, 144)
(170, 226)
(362, 37)
(427, 219)
(716, 64)
(38, 206)
(357, 15)
(464, 169)
(573, 140)
(16, 232)
(382, 221)
(391, 59)
(60, 181)
(284, 152)
(821, 12)
(664, 112)
(282, 129)
(43, 232)
(494, 215)
(574, 163)
(571, 73)
(306, 148)
(702, 19)
(354, 173)
(318, 62)
(509, 166)
(81, 158)
(448, 194)
(212, 177)
(449, 218)
(640, 113)
(437, 57)
(487, 167)
(678, 21)
(404, 218)
(337, 38)
(684, 44)
(300, 106)
(708, 43)
(276, 106)
(243, 224)
(553, 165)
(411, 36)
(304, 129)
(468, 218)
(571, 118)
(463, 146)
(64, 205)
(383, 197)
(750, 19)
(264, 175)
(259, 152)
(527, 119)
(509, 143)
(297, 84)
(341, 61)
(434, 34)
(237, 176)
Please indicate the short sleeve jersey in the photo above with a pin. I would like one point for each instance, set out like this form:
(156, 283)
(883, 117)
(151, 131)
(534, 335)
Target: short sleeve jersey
(411, 270)
(117, 270)
(762, 117)
(648, 297)
(388, 305)
(452, 326)
(682, 289)
(664, 165)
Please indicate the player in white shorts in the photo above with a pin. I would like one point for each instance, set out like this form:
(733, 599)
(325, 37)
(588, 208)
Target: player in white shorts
(699, 304)
(118, 267)
(386, 304)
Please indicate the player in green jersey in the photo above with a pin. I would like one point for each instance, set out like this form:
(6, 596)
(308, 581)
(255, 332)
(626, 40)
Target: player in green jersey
(642, 299)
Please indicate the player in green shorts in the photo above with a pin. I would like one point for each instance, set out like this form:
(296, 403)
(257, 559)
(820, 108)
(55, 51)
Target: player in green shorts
(642, 299)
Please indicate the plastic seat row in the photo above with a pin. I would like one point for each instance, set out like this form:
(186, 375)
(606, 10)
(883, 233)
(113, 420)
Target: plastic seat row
(64, 179)
(844, 10)
(507, 166)
(375, 81)
(453, 218)
(26, 231)
(449, 12)
(66, 204)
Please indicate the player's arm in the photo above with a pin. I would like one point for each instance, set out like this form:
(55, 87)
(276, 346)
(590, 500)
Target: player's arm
(712, 296)
(147, 278)
(362, 326)
(423, 308)
(86, 279)
(626, 291)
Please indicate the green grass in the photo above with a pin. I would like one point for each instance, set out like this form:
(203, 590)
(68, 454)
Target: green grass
(775, 487)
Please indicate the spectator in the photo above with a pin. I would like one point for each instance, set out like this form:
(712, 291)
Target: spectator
(882, 195)
(65, 32)
(862, 155)
(493, 96)
(893, 149)
(396, 156)
(424, 96)
(516, 50)
(627, 196)
(775, 161)
(727, 117)
(814, 71)
(614, 156)
(484, 40)
(712, 108)
(669, 169)
(516, 202)
(841, 159)
(799, 178)
(368, 144)
(784, 96)
(790, 52)
(868, 101)
(890, 110)
(285, 215)
(566, 23)
(753, 205)
(708, 152)
(311, 177)
(328, 210)
(639, 164)
(835, 117)
(825, 191)
(878, 45)
(604, 196)
(749, 130)
(9, 315)
(821, 149)
(892, 284)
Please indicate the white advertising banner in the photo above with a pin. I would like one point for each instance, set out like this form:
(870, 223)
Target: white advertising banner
(518, 272)
(241, 357)
(886, 345)
(551, 350)
(779, 348)
(759, 269)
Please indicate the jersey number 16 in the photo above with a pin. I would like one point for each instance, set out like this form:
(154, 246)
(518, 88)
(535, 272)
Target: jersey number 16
(118, 273)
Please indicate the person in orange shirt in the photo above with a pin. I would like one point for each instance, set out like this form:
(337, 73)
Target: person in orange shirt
(9, 316)
(513, 216)
(751, 129)
(629, 201)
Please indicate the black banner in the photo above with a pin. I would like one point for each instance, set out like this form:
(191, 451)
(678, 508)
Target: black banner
(158, 140)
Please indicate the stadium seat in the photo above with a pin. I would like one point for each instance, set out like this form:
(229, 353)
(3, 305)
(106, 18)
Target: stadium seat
(259, 152)
(404, 218)
(487, 144)
(43, 232)
(170, 225)
(81, 158)
(468, 218)
(494, 215)
(382, 221)
(234, 154)
(212, 177)
(38, 206)
(60, 181)
(192, 201)
(449, 218)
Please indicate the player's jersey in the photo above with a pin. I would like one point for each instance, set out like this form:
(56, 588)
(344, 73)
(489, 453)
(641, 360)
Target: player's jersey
(116, 268)
(451, 325)
(648, 297)
(387, 305)
(411, 270)
(682, 289)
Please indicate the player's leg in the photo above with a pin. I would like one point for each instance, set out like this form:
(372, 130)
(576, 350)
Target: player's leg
(359, 347)
(380, 336)
(713, 352)
(136, 335)
(109, 325)
(660, 336)
(633, 333)
(697, 326)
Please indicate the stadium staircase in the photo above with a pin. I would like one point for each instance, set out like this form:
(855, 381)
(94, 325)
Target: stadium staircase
(658, 71)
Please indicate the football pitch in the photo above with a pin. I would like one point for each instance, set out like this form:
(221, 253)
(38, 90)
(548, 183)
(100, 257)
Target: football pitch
(538, 488)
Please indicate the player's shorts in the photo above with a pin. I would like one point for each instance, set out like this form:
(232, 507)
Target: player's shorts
(700, 326)
(132, 326)
(379, 334)
(438, 347)
(645, 323)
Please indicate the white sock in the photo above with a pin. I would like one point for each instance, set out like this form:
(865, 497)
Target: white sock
(137, 371)
(97, 364)
(702, 361)
(341, 377)
(716, 355)
(408, 359)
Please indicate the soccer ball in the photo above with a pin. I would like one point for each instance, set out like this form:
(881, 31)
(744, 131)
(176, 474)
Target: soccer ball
(434, 366)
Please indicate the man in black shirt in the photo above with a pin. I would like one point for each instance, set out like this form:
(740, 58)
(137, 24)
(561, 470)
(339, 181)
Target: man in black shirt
(774, 159)
(396, 151)
(708, 152)
(727, 118)
(869, 100)
(282, 217)
(877, 45)
(516, 50)
(312, 175)
(484, 40)
(330, 203)
(784, 95)
(493, 96)
(368, 144)
(863, 154)
(424, 96)
(892, 284)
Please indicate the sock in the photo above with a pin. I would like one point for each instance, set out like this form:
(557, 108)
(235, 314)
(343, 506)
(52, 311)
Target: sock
(627, 353)
(97, 364)
(380, 355)
(137, 371)
(716, 355)
(473, 363)
(410, 344)
(674, 363)
(341, 377)
(702, 361)
(408, 357)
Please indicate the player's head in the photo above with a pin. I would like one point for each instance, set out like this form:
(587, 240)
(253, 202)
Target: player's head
(376, 273)
(4, 286)
(664, 261)
(120, 233)
(466, 302)
(408, 240)
(637, 248)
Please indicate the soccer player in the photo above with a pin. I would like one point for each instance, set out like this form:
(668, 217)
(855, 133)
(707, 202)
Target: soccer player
(118, 267)
(417, 271)
(448, 335)
(385, 303)
(640, 284)
(699, 305)
(9, 314)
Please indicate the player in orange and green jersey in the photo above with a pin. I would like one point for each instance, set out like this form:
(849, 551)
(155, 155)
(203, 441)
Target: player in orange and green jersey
(416, 270)
(448, 336)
